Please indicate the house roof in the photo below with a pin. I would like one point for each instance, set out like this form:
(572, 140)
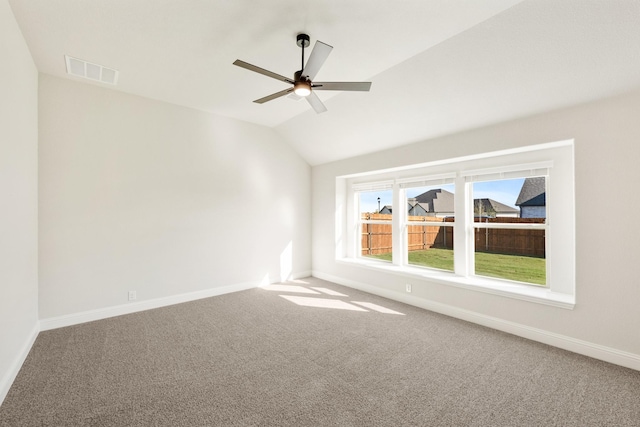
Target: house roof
(442, 201)
(490, 205)
(464, 53)
(424, 206)
(532, 193)
(437, 200)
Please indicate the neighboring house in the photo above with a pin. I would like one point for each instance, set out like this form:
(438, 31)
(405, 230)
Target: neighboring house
(437, 202)
(492, 209)
(532, 199)
(413, 209)
(417, 209)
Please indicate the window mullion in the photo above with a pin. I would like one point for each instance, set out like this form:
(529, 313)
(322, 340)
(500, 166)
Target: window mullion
(463, 229)
(398, 223)
(351, 244)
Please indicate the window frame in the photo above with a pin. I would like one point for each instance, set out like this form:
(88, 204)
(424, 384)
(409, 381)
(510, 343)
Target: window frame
(510, 172)
(357, 190)
(553, 160)
(421, 181)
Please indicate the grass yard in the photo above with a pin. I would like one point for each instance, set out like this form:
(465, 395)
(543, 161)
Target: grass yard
(510, 267)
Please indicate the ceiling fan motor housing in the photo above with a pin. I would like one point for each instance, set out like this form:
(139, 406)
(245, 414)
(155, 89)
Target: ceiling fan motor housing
(298, 77)
(302, 39)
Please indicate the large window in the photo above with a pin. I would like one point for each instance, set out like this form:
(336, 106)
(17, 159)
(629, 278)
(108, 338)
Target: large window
(374, 220)
(484, 221)
(429, 222)
(506, 245)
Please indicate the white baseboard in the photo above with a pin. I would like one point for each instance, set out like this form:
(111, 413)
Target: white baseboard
(597, 351)
(10, 375)
(88, 316)
(301, 275)
(134, 307)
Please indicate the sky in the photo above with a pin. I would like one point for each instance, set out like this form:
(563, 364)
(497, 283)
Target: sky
(503, 191)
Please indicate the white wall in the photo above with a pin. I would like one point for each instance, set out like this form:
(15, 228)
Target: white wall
(143, 195)
(18, 199)
(607, 152)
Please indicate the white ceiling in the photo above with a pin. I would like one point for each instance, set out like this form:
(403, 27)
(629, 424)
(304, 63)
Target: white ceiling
(437, 66)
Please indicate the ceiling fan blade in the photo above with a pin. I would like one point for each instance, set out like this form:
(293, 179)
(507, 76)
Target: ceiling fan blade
(273, 96)
(316, 59)
(262, 71)
(294, 96)
(352, 86)
(315, 102)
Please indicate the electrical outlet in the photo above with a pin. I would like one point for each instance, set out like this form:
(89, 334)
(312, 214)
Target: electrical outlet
(408, 287)
(132, 295)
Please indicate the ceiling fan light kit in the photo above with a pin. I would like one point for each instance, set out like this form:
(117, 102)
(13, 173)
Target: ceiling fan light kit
(302, 88)
(302, 83)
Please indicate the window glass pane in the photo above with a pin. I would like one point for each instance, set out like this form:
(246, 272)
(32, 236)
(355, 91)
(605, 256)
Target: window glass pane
(429, 230)
(511, 266)
(517, 198)
(376, 239)
(512, 254)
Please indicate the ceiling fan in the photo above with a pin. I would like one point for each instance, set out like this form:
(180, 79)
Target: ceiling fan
(302, 83)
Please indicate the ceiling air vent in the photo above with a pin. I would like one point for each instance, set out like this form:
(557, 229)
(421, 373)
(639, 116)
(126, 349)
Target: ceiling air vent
(80, 68)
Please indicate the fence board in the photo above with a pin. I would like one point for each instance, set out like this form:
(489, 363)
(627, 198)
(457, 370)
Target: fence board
(422, 234)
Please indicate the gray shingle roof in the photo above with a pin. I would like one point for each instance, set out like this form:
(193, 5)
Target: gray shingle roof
(441, 201)
(490, 206)
(437, 200)
(533, 192)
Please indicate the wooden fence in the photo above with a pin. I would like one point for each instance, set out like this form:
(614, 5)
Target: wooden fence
(424, 233)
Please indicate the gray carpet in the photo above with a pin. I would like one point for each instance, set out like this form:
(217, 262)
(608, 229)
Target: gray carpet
(256, 358)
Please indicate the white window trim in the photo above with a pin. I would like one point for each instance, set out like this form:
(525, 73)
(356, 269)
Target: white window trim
(508, 172)
(560, 291)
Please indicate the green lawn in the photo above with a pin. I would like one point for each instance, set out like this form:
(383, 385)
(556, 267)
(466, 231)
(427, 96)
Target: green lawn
(510, 267)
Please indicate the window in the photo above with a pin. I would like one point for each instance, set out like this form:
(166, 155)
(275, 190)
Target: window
(506, 245)
(483, 222)
(374, 220)
(429, 222)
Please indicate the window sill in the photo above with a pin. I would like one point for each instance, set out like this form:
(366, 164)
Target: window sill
(479, 284)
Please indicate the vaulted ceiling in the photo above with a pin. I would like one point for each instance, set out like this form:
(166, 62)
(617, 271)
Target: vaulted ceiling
(437, 66)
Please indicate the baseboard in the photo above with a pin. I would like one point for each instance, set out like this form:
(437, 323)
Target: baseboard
(301, 275)
(134, 307)
(608, 354)
(104, 313)
(12, 373)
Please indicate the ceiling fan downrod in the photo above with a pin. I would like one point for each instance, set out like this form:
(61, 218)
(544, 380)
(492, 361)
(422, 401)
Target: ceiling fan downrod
(302, 40)
(301, 85)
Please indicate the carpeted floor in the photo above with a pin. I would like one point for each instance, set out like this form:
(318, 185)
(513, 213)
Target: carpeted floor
(309, 353)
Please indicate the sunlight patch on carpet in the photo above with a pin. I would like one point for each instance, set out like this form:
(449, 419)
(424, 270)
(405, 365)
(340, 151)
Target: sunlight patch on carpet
(329, 292)
(378, 308)
(322, 303)
(290, 288)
